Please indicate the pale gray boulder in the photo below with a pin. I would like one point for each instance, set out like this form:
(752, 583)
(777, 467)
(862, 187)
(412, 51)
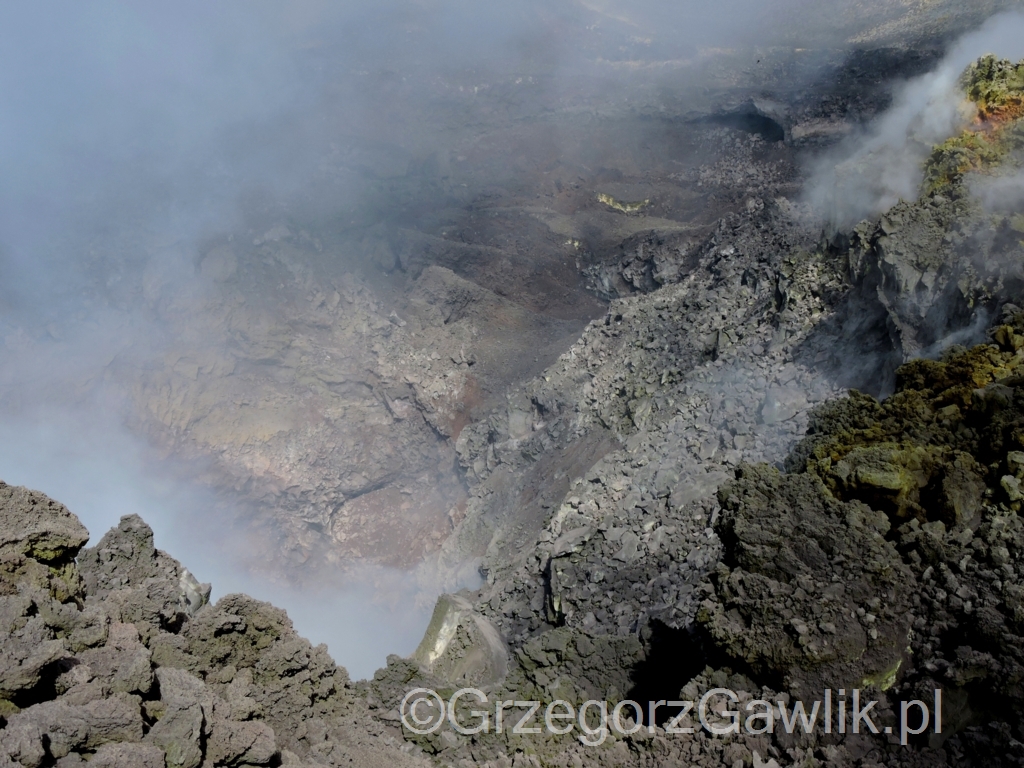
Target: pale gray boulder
(123, 664)
(21, 743)
(127, 756)
(28, 647)
(235, 744)
(138, 582)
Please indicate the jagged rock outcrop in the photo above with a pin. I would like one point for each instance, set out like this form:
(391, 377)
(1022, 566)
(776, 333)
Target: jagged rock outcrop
(460, 645)
(933, 604)
(886, 559)
(113, 656)
(838, 590)
(614, 506)
(936, 265)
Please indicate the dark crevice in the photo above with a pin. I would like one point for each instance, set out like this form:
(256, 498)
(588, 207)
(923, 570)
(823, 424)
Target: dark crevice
(46, 688)
(674, 657)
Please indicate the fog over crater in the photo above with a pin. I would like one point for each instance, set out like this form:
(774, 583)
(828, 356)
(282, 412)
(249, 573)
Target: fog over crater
(265, 264)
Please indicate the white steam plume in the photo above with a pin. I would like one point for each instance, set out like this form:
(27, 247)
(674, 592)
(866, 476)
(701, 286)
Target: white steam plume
(1001, 194)
(870, 172)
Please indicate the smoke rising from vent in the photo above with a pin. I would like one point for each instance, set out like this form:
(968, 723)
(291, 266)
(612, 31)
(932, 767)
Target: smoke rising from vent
(871, 171)
(1002, 194)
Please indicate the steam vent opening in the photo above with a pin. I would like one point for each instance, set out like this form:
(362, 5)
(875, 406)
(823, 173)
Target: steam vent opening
(368, 360)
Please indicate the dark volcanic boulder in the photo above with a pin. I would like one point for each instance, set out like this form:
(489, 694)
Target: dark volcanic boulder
(35, 526)
(39, 539)
(892, 555)
(809, 594)
(39, 592)
(138, 582)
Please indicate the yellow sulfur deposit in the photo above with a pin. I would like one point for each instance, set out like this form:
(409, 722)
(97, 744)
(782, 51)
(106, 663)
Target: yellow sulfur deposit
(611, 202)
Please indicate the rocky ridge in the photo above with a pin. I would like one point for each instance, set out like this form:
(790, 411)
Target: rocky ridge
(112, 656)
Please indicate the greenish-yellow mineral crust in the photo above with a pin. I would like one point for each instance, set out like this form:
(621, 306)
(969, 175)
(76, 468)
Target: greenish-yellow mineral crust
(996, 88)
(891, 554)
(995, 85)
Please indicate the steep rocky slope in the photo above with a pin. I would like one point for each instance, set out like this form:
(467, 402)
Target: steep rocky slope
(886, 559)
(318, 353)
